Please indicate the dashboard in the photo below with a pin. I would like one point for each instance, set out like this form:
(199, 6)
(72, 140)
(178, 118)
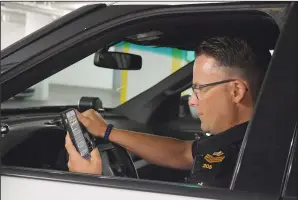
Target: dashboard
(32, 142)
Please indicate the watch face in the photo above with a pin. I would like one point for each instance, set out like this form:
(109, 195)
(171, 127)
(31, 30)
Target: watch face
(77, 132)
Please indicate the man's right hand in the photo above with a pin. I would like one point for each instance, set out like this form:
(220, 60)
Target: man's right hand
(93, 122)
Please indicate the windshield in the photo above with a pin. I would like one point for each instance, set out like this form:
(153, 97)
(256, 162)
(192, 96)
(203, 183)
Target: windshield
(113, 87)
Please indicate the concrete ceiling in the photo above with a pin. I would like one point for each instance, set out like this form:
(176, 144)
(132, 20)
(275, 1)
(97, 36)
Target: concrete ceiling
(10, 11)
(57, 9)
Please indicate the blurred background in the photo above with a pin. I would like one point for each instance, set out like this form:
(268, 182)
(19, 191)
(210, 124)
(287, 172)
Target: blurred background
(19, 19)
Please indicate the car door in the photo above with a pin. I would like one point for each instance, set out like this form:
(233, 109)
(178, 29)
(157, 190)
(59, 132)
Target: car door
(265, 156)
(251, 162)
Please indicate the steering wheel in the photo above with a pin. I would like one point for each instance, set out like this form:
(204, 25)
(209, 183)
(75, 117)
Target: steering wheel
(117, 161)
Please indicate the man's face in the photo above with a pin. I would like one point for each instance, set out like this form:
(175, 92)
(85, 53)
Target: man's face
(214, 104)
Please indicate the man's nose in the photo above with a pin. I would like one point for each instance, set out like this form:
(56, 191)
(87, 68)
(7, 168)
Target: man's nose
(193, 101)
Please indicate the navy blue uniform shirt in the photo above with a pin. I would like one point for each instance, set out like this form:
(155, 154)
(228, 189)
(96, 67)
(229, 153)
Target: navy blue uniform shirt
(215, 157)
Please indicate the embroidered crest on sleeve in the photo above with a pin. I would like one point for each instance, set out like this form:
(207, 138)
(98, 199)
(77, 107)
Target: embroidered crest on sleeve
(216, 157)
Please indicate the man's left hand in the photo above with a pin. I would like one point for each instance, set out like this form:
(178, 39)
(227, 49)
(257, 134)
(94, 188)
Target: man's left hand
(79, 164)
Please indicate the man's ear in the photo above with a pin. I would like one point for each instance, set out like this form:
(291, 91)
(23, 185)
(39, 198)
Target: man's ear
(239, 90)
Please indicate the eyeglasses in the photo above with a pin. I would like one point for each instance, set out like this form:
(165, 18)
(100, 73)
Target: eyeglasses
(200, 87)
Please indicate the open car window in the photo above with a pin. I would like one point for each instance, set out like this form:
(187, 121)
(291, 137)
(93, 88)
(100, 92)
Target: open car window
(113, 87)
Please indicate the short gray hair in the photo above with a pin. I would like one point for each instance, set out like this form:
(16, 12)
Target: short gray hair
(237, 55)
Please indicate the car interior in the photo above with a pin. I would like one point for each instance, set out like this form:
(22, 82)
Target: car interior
(33, 142)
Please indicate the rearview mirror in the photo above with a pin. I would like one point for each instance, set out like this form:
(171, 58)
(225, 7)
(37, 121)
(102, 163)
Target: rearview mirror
(118, 60)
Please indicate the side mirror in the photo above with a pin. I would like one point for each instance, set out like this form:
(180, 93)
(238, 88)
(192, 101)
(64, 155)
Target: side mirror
(118, 60)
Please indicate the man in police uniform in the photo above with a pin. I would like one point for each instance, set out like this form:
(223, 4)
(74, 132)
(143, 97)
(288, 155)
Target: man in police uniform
(227, 75)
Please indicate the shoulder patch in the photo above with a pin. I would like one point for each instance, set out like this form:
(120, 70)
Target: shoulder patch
(214, 159)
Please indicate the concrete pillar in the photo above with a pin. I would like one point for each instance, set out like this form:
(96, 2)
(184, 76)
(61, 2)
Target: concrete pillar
(35, 21)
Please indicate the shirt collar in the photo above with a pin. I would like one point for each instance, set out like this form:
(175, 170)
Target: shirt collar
(226, 138)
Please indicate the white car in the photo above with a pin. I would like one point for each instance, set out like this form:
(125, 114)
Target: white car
(32, 149)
